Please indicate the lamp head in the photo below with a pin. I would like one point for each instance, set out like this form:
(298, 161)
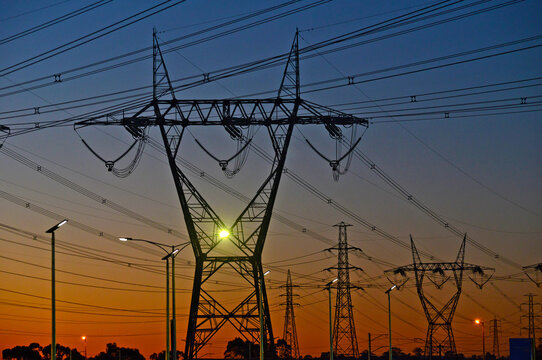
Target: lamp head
(390, 289)
(53, 229)
(83, 337)
(125, 238)
(477, 321)
(171, 254)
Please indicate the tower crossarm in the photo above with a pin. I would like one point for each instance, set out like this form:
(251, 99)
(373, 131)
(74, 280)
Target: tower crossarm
(444, 266)
(233, 112)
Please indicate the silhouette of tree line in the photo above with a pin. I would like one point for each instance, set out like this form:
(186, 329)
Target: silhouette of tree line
(237, 348)
(36, 352)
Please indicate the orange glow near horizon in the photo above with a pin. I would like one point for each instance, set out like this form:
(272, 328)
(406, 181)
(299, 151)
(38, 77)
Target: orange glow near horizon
(411, 194)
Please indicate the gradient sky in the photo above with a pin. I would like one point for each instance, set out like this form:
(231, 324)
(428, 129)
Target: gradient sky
(480, 171)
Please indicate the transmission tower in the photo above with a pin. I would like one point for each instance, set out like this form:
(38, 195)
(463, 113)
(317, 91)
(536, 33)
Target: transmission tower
(345, 341)
(534, 273)
(440, 336)
(531, 317)
(248, 232)
(290, 333)
(495, 328)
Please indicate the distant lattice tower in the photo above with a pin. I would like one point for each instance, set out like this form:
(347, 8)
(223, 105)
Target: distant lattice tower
(290, 333)
(495, 327)
(440, 337)
(531, 328)
(344, 332)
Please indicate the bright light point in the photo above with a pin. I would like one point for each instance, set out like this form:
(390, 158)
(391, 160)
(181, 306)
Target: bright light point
(393, 287)
(83, 337)
(267, 272)
(62, 223)
(175, 251)
(334, 280)
(223, 234)
(477, 321)
(122, 239)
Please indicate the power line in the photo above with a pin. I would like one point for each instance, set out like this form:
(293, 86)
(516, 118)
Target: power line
(54, 21)
(351, 80)
(141, 311)
(381, 26)
(86, 38)
(33, 11)
(135, 52)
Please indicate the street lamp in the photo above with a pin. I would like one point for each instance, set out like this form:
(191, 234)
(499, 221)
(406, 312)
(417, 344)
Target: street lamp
(328, 287)
(260, 310)
(389, 317)
(171, 252)
(84, 338)
(480, 322)
(53, 287)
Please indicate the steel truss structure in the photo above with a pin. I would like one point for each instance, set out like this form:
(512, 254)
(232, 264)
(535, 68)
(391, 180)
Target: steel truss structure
(495, 328)
(345, 341)
(248, 232)
(440, 337)
(531, 319)
(289, 333)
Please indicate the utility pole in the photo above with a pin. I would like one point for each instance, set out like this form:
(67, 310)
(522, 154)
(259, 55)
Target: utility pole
(328, 288)
(495, 327)
(290, 333)
(53, 287)
(369, 350)
(390, 355)
(483, 341)
(344, 332)
(531, 328)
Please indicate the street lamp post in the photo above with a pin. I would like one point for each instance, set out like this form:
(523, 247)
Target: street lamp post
(260, 310)
(171, 252)
(389, 318)
(84, 338)
(328, 287)
(480, 322)
(53, 287)
(167, 309)
(174, 311)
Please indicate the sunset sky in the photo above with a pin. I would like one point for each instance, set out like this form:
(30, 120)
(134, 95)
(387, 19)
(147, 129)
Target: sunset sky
(454, 109)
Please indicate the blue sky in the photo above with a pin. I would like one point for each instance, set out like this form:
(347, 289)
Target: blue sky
(479, 171)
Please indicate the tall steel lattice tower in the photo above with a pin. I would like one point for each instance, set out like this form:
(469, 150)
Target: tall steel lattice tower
(531, 319)
(290, 333)
(495, 328)
(440, 336)
(345, 341)
(247, 233)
